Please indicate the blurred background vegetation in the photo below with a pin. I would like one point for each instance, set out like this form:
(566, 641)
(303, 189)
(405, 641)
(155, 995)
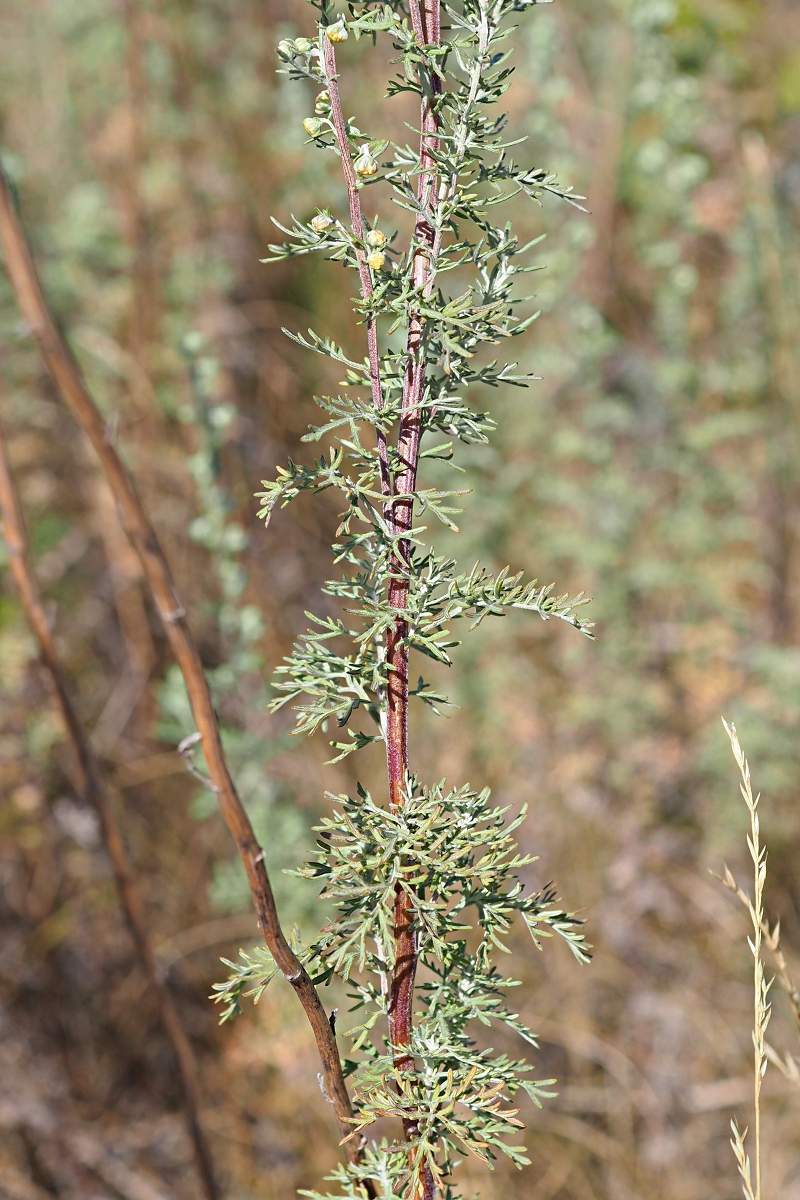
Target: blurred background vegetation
(655, 466)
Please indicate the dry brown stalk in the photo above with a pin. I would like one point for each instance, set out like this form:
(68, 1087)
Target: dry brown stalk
(610, 114)
(782, 324)
(75, 394)
(92, 786)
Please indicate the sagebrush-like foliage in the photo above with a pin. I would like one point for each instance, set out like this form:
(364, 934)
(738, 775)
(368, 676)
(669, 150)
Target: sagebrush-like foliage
(428, 883)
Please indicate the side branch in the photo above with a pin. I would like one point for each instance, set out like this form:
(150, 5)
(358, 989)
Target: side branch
(357, 225)
(92, 786)
(69, 382)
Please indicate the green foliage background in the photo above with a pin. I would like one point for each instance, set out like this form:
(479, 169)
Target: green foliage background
(653, 467)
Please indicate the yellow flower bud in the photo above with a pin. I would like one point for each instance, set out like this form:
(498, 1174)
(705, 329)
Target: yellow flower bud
(365, 164)
(303, 45)
(322, 104)
(376, 260)
(321, 222)
(312, 126)
(338, 32)
(376, 238)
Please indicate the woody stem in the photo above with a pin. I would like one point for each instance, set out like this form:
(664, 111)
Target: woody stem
(426, 23)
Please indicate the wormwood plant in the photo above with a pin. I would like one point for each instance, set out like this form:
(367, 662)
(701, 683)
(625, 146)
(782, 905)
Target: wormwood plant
(424, 886)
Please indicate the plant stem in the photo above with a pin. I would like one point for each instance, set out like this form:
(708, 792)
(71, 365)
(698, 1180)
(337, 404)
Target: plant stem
(758, 994)
(92, 786)
(400, 513)
(357, 225)
(426, 23)
(761, 1009)
(72, 388)
(757, 915)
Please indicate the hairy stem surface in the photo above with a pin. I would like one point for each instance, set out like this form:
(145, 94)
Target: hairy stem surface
(426, 22)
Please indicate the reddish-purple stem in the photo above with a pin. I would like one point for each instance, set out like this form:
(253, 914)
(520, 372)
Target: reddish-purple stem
(426, 24)
(426, 21)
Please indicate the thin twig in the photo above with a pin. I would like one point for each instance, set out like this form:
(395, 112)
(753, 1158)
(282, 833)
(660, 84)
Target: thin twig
(357, 224)
(94, 791)
(186, 749)
(787, 1066)
(75, 394)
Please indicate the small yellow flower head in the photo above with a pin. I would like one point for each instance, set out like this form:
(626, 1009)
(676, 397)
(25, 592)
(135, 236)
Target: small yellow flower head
(376, 260)
(322, 104)
(338, 32)
(365, 164)
(376, 238)
(286, 48)
(321, 222)
(312, 126)
(303, 45)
